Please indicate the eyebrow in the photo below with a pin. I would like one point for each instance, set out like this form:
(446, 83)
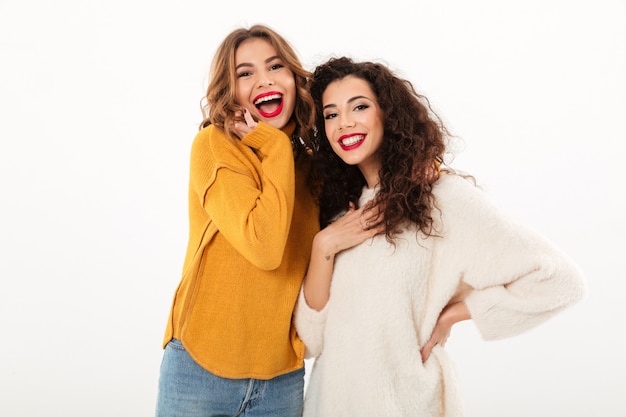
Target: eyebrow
(349, 101)
(247, 64)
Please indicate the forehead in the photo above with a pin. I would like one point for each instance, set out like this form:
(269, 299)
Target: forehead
(344, 89)
(254, 51)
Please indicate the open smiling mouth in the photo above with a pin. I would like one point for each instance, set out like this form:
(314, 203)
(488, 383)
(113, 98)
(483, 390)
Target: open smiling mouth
(269, 105)
(351, 142)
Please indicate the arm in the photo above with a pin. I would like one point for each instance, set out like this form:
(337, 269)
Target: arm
(346, 232)
(247, 189)
(310, 312)
(451, 314)
(518, 278)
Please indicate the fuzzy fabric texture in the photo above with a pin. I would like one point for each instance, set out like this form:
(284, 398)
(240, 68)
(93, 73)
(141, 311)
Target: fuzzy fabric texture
(385, 302)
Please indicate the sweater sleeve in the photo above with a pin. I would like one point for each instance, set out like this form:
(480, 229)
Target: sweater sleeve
(310, 325)
(519, 278)
(247, 188)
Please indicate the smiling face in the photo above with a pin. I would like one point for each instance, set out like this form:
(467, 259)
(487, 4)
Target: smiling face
(354, 124)
(265, 85)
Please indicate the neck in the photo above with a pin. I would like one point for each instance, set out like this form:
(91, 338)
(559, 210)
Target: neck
(370, 172)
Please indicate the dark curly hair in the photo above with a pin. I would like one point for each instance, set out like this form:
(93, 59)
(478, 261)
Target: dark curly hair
(413, 149)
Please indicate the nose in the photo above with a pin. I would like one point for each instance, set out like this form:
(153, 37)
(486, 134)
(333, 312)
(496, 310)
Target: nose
(266, 81)
(345, 123)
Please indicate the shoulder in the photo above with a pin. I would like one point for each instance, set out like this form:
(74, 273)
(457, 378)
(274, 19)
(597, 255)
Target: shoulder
(212, 137)
(213, 143)
(453, 186)
(460, 201)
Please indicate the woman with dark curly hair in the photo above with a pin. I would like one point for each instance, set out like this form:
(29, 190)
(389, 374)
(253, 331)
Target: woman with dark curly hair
(408, 248)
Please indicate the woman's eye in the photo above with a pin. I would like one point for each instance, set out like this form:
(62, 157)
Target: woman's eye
(276, 66)
(330, 116)
(361, 107)
(243, 74)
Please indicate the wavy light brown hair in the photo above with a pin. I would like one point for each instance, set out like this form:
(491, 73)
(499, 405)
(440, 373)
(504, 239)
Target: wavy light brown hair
(219, 104)
(413, 146)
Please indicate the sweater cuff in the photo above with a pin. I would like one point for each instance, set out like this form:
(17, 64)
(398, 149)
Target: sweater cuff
(308, 314)
(499, 315)
(479, 303)
(310, 325)
(261, 135)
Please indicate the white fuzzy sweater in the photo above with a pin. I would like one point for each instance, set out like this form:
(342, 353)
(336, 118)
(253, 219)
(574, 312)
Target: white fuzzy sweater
(385, 302)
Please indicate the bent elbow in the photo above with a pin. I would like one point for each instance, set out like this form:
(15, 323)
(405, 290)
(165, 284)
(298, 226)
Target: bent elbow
(265, 260)
(576, 285)
(266, 265)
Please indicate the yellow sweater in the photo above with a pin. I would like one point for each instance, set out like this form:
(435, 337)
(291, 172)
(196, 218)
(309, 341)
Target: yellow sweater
(251, 223)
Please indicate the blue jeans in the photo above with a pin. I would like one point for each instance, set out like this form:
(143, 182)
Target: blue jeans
(188, 390)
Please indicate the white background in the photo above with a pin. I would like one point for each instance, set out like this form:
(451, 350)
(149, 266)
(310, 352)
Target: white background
(99, 103)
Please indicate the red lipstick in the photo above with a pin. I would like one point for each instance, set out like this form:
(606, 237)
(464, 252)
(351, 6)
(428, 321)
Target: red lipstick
(351, 141)
(269, 104)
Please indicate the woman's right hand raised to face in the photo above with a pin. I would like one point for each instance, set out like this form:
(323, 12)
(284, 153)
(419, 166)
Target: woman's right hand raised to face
(243, 123)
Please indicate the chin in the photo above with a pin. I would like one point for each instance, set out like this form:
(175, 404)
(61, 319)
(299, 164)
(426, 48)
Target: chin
(277, 122)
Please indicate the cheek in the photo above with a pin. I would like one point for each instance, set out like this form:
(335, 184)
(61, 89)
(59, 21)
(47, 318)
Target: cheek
(328, 127)
(288, 82)
(290, 102)
(239, 98)
(242, 93)
(290, 95)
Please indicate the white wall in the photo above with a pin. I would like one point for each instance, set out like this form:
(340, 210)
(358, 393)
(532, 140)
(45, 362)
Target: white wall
(98, 107)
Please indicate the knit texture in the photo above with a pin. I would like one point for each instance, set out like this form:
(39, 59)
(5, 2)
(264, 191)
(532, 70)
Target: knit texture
(251, 223)
(385, 302)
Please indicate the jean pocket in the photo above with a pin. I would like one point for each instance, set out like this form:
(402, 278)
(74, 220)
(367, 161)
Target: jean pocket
(175, 344)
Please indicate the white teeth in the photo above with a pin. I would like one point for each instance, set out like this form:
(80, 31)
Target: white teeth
(352, 140)
(267, 98)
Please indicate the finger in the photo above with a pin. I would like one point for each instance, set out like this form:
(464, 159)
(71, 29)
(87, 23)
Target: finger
(375, 231)
(234, 128)
(428, 347)
(249, 119)
(374, 215)
(363, 223)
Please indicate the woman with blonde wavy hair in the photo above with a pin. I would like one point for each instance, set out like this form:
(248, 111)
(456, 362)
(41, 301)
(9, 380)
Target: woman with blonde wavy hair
(230, 345)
